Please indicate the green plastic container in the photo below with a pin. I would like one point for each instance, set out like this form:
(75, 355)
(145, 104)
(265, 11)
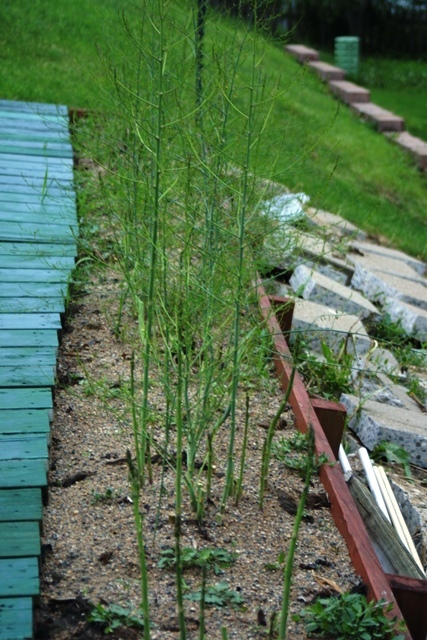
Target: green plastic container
(347, 53)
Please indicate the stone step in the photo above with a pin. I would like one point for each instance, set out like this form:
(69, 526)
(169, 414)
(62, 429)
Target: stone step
(383, 120)
(396, 259)
(319, 250)
(416, 147)
(301, 53)
(326, 71)
(373, 422)
(312, 285)
(412, 319)
(333, 224)
(319, 323)
(378, 286)
(349, 92)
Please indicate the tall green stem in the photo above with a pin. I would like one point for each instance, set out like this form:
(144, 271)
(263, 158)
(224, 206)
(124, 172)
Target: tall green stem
(289, 565)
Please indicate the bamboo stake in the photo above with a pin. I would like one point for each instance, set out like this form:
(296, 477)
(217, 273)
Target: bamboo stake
(381, 531)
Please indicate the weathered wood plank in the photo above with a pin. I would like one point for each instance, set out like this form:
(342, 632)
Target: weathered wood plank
(21, 504)
(33, 321)
(34, 275)
(27, 376)
(28, 262)
(21, 474)
(33, 198)
(35, 172)
(31, 126)
(48, 192)
(36, 149)
(40, 182)
(16, 619)
(19, 577)
(34, 168)
(9, 131)
(28, 232)
(25, 421)
(23, 446)
(33, 289)
(25, 399)
(66, 219)
(27, 356)
(39, 160)
(19, 539)
(40, 250)
(38, 210)
(27, 338)
(32, 305)
(39, 108)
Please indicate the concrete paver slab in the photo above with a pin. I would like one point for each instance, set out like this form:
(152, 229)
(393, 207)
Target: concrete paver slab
(349, 92)
(387, 259)
(374, 422)
(312, 285)
(326, 71)
(319, 323)
(384, 120)
(301, 53)
(378, 286)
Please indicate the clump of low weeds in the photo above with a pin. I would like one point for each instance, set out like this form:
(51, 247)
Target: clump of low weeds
(215, 558)
(350, 615)
(114, 616)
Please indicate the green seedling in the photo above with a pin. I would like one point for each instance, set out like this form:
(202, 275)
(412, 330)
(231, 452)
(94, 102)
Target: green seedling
(351, 616)
(108, 495)
(393, 454)
(114, 616)
(292, 452)
(276, 566)
(217, 559)
(218, 595)
(331, 376)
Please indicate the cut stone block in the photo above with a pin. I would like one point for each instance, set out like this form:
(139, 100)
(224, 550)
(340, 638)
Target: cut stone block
(326, 71)
(326, 270)
(379, 286)
(301, 53)
(413, 320)
(383, 120)
(415, 146)
(384, 361)
(412, 503)
(319, 250)
(319, 323)
(373, 422)
(387, 259)
(349, 92)
(377, 386)
(312, 285)
(333, 224)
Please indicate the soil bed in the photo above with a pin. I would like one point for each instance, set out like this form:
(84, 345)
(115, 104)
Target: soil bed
(89, 544)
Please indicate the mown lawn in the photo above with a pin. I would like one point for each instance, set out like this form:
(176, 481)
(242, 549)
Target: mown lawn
(61, 52)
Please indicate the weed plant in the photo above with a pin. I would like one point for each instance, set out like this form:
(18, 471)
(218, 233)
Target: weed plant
(350, 616)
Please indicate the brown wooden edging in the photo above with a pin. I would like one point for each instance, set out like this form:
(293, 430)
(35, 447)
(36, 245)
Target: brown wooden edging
(277, 313)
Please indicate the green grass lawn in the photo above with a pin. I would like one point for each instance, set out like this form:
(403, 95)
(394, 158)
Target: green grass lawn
(50, 52)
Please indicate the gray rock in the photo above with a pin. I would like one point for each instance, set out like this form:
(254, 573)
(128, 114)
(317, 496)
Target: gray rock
(373, 422)
(413, 320)
(312, 285)
(389, 258)
(372, 286)
(414, 511)
(319, 323)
